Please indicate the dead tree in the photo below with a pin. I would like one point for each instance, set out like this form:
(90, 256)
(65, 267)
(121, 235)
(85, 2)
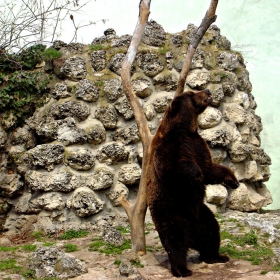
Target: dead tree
(136, 211)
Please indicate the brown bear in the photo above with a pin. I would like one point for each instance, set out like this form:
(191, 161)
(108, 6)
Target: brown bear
(180, 167)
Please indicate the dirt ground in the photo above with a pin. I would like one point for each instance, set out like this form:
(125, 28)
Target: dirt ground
(154, 265)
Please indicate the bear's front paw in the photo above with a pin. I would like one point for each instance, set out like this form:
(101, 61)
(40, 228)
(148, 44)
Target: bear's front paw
(231, 182)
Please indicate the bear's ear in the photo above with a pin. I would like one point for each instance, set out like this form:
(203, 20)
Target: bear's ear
(179, 101)
(175, 105)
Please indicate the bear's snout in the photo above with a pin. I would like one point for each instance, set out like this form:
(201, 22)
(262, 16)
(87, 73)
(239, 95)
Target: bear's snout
(209, 99)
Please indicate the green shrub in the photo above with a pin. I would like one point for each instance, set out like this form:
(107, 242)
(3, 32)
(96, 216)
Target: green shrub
(22, 93)
(50, 54)
(251, 238)
(25, 60)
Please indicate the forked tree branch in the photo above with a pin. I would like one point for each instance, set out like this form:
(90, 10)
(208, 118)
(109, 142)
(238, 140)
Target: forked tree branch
(209, 18)
(136, 212)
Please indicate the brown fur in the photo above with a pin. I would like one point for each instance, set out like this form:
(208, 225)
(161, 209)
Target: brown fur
(180, 167)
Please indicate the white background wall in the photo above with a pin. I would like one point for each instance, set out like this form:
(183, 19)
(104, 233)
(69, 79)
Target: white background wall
(252, 26)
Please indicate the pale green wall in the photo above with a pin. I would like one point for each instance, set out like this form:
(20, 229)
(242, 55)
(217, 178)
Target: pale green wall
(253, 25)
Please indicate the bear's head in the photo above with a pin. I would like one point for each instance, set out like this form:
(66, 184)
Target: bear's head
(195, 102)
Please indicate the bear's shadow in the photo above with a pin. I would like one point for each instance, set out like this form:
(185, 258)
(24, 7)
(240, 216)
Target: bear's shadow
(192, 257)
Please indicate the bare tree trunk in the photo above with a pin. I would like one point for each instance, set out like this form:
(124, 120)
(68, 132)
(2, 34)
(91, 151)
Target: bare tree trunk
(136, 212)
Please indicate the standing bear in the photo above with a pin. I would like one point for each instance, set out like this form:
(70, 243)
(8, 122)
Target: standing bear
(180, 167)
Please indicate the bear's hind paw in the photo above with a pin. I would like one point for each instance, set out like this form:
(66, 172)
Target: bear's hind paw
(181, 272)
(217, 259)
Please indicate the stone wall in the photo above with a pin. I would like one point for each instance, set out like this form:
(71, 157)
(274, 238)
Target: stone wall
(73, 159)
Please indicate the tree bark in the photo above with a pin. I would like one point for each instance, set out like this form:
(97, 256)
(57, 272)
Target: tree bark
(136, 211)
(209, 18)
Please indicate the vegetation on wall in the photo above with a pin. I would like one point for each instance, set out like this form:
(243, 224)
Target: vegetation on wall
(23, 87)
(24, 60)
(50, 54)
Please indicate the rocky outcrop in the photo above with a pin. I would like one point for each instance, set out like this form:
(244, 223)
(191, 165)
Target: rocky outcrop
(71, 162)
(52, 262)
(84, 202)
